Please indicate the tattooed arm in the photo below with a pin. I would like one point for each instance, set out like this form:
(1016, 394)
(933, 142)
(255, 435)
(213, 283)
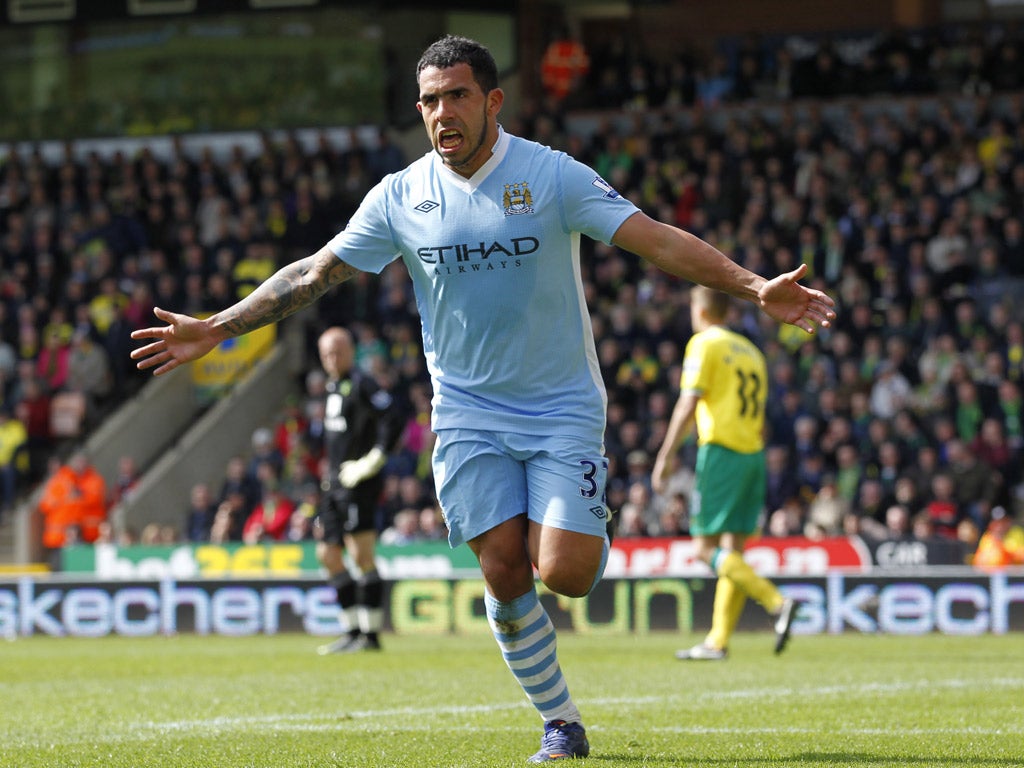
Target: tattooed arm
(291, 288)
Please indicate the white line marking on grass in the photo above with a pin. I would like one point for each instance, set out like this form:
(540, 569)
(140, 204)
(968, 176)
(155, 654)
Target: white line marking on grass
(866, 689)
(281, 726)
(403, 719)
(698, 730)
(340, 719)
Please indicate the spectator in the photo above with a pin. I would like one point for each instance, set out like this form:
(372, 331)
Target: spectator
(785, 521)
(13, 457)
(384, 158)
(925, 465)
(969, 410)
(942, 508)
(967, 537)
(271, 517)
(638, 505)
(432, 525)
(298, 437)
(993, 449)
(563, 65)
(417, 440)
(402, 492)
(229, 519)
(52, 364)
(89, 372)
(887, 465)
(125, 480)
(672, 519)
(890, 392)
(33, 410)
(74, 497)
(810, 472)
(1002, 544)
(871, 500)
(238, 482)
(905, 492)
(630, 522)
(922, 527)
(300, 524)
(897, 523)
(117, 344)
(8, 356)
(150, 535)
(403, 530)
(977, 485)
(1010, 411)
(264, 451)
(290, 429)
(200, 515)
(258, 262)
(638, 468)
(849, 471)
(826, 511)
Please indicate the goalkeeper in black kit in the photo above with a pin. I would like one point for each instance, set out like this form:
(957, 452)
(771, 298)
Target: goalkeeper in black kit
(360, 428)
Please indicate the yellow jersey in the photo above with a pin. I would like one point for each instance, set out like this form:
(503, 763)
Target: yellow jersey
(730, 376)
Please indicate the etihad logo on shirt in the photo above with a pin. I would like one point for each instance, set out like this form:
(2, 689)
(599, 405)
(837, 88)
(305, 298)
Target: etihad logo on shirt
(517, 199)
(463, 258)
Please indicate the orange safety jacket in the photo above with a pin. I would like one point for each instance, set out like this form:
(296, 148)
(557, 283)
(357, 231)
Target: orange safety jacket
(563, 62)
(69, 499)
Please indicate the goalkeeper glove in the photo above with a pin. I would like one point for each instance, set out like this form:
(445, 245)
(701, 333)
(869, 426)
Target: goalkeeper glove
(352, 473)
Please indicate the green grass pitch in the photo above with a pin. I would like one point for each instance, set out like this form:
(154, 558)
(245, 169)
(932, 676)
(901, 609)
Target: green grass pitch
(850, 700)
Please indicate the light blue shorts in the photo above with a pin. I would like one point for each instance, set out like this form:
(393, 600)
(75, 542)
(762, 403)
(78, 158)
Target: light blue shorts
(485, 478)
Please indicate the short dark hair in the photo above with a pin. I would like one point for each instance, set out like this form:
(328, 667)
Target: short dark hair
(453, 49)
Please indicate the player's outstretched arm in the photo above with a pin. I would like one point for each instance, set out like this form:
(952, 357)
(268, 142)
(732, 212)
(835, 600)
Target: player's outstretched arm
(291, 288)
(682, 254)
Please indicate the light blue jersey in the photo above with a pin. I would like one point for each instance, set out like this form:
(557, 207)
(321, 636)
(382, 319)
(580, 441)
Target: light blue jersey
(494, 262)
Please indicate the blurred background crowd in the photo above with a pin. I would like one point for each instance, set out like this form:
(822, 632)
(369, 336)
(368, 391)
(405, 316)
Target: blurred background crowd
(894, 170)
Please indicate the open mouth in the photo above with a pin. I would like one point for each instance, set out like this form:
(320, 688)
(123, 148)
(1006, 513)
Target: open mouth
(449, 140)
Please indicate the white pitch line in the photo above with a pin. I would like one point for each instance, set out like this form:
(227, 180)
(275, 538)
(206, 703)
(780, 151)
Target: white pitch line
(404, 719)
(340, 719)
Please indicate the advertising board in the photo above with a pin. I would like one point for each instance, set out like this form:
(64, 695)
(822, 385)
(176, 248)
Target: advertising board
(961, 602)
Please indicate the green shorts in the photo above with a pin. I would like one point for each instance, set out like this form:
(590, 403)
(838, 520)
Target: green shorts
(728, 496)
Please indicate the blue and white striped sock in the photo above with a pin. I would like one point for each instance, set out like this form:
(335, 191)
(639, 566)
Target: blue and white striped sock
(526, 637)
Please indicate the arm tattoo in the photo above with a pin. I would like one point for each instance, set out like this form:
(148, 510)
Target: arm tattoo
(291, 288)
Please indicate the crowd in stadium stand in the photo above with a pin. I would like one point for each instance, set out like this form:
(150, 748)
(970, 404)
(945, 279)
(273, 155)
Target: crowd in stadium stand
(966, 59)
(904, 420)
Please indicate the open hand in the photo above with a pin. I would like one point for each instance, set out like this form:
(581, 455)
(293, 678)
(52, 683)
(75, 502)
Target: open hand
(784, 299)
(182, 340)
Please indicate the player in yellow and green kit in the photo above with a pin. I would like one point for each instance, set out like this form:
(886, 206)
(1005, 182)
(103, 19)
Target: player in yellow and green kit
(723, 389)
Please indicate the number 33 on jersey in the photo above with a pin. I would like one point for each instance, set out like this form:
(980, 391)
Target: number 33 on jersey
(731, 375)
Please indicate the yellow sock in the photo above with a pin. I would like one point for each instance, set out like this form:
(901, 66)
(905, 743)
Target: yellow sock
(736, 604)
(729, 603)
(732, 566)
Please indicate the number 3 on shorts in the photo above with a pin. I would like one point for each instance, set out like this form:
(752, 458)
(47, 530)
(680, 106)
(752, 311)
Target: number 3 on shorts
(592, 485)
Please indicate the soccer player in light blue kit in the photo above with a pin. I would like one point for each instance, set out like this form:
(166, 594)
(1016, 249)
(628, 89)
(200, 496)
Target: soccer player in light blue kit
(489, 226)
